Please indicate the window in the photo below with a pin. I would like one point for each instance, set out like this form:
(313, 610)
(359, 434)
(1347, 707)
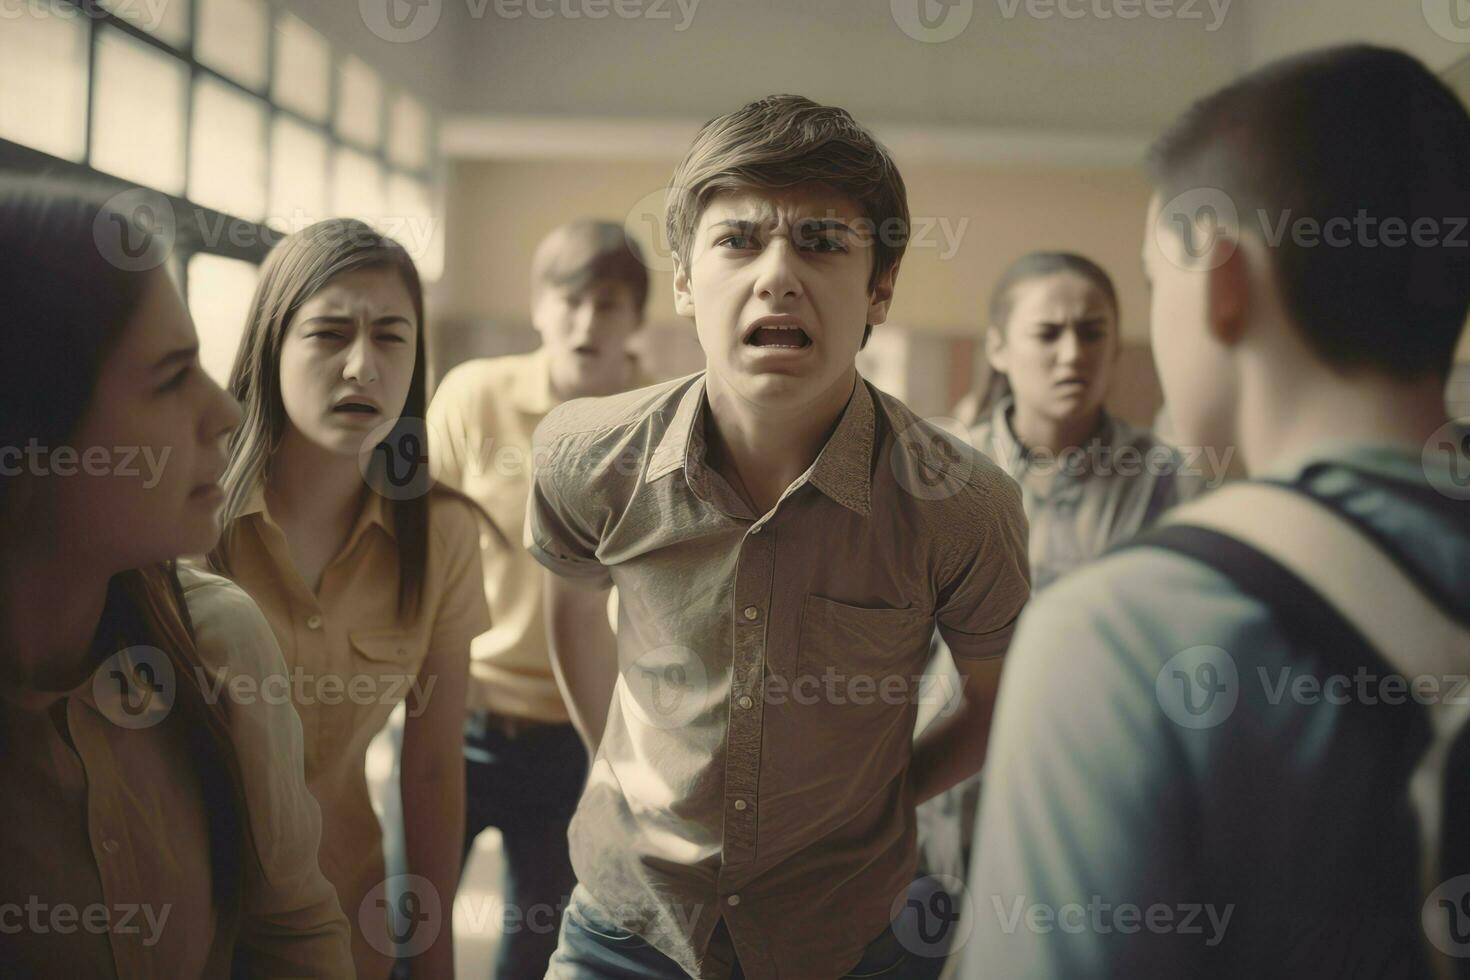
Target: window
(303, 72)
(167, 20)
(357, 186)
(227, 150)
(43, 81)
(359, 104)
(138, 98)
(409, 218)
(237, 106)
(298, 193)
(233, 37)
(408, 133)
(220, 291)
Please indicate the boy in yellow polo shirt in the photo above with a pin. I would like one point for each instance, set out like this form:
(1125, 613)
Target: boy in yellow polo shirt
(525, 763)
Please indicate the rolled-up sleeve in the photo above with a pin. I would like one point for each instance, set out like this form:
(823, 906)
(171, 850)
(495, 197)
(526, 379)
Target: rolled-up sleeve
(291, 923)
(556, 534)
(981, 602)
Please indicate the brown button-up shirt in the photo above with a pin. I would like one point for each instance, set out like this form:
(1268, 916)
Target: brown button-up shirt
(755, 764)
(107, 871)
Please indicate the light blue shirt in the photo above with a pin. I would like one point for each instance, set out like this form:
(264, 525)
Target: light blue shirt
(1273, 839)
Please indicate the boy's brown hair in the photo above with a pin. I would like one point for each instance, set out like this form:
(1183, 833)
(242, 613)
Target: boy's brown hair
(579, 253)
(781, 141)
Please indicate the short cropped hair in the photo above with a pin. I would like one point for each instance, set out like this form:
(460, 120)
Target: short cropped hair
(1332, 135)
(1036, 265)
(781, 141)
(579, 253)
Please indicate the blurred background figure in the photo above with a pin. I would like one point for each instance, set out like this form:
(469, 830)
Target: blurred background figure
(525, 762)
(1088, 479)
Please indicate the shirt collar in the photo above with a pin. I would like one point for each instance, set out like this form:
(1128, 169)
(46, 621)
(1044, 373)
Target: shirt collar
(1384, 459)
(374, 512)
(531, 391)
(842, 470)
(1111, 434)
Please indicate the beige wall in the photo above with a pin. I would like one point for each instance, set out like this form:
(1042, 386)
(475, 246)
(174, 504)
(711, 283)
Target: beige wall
(979, 219)
(969, 221)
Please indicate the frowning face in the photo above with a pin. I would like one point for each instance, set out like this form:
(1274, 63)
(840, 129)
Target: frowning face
(778, 284)
(347, 358)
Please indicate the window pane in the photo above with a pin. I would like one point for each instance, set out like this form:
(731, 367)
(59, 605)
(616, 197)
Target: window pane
(357, 186)
(138, 112)
(220, 290)
(408, 133)
(298, 175)
(167, 20)
(303, 75)
(227, 150)
(43, 81)
(232, 39)
(410, 219)
(359, 104)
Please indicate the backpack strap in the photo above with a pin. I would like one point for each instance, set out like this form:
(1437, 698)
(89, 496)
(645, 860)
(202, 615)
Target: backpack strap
(1330, 582)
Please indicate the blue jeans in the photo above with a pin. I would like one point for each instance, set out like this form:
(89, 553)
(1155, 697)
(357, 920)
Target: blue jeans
(528, 787)
(594, 948)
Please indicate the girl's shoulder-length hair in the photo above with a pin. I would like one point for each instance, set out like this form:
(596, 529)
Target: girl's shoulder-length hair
(298, 267)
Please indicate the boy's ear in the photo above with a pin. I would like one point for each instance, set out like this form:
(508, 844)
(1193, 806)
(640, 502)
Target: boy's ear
(1228, 292)
(881, 296)
(683, 289)
(996, 351)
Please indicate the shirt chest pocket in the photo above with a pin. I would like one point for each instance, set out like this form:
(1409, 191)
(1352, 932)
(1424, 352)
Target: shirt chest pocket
(861, 641)
(385, 652)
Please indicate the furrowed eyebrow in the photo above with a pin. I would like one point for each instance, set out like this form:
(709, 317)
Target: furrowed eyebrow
(737, 224)
(823, 224)
(174, 357)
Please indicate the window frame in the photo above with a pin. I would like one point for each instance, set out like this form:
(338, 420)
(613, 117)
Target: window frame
(237, 238)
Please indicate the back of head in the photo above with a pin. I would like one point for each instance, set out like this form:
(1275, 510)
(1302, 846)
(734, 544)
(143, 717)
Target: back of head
(579, 253)
(1369, 152)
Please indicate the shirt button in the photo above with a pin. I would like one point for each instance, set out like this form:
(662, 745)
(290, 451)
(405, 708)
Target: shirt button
(111, 846)
(746, 702)
(313, 622)
(733, 900)
(751, 612)
(740, 804)
(756, 529)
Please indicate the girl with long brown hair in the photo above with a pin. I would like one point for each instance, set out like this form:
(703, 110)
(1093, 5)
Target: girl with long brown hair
(157, 824)
(369, 576)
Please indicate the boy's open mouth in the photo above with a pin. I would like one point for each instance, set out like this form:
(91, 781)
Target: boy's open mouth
(785, 337)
